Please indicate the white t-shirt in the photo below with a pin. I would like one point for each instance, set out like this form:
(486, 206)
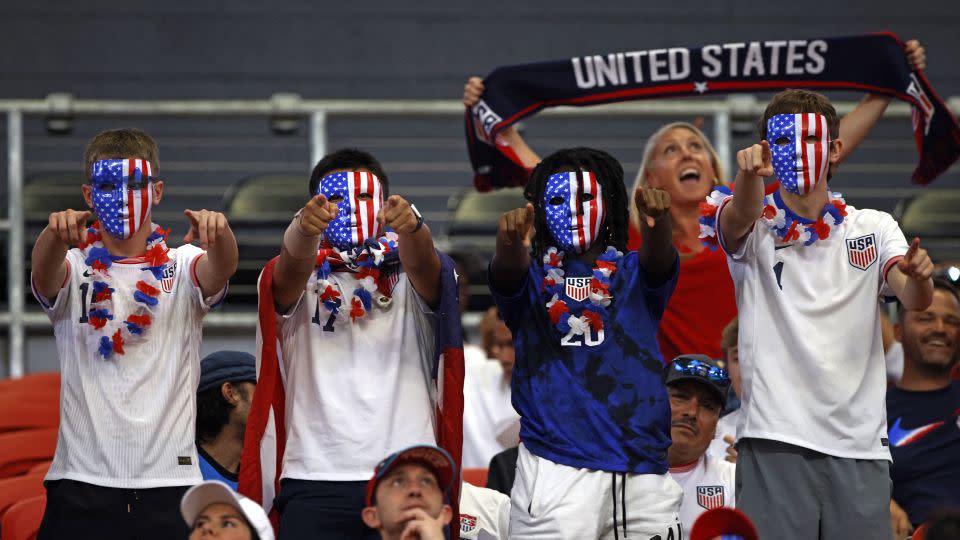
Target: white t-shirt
(484, 513)
(810, 348)
(727, 425)
(128, 422)
(707, 483)
(490, 423)
(361, 391)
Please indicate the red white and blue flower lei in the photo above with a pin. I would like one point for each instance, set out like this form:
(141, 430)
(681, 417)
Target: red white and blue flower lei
(370, 261)
(784, 222)
(115, 332)
(581, 316)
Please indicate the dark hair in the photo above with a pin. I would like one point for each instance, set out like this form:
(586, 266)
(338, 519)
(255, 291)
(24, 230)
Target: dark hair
(939, 283)
(351, 159)
(610, 175)
(943, 525)
(121, 143)
(213, 411)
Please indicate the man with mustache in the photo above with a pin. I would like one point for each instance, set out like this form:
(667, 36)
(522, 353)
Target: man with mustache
(922, 412)
(698, 392)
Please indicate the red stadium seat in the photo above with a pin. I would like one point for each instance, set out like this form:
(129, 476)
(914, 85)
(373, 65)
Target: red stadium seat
(22, 520)
(40, 468)
(22, 450)
(477, 477)
(920, 533)
(18, 413)
(43, 383)
(18, 488)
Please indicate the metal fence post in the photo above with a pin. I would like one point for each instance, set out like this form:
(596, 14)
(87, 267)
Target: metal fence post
(15, 261)
(318, 136)
(721, 137)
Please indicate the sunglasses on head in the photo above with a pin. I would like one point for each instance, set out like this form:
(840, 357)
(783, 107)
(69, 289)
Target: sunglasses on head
(692, 366)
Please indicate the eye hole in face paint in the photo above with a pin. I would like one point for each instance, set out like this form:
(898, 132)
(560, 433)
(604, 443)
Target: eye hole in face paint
(588, 197)
(811, 139)
(365, 197)
(556, 200)
(105, 186)
(335, 199)
(782, 141)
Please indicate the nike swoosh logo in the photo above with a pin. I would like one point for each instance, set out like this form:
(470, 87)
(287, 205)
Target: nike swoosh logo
(86, 273)
(775, 248)
(902, 437)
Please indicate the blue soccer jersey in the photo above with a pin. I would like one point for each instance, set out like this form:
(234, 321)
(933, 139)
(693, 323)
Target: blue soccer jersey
(593, 401)
(924, 429)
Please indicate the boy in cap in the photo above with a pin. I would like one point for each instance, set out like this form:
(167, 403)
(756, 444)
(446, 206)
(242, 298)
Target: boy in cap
(127, 313)
(214, 510)
(227, 382)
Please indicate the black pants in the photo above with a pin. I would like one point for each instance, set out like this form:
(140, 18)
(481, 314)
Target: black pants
(80, 510)
(320, 509)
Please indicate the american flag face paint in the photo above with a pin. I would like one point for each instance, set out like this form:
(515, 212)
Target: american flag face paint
(800, 149)
(573, 203)
(360, 199)
(122, 195)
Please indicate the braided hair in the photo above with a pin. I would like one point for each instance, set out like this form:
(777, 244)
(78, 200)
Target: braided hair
(609, 174)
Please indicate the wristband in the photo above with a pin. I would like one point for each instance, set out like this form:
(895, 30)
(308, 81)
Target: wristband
(419, 217)
(297, 243)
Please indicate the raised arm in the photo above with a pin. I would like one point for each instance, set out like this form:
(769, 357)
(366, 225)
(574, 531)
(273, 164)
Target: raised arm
(745, 208)
(657, 254)
(49, 263)
(511, 261)
(857, 124)
(417, 253)
(298, 255)
(472, 92)
(220, 260)
(910, 278)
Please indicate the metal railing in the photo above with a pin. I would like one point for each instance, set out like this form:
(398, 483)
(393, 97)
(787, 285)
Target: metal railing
(722, 111)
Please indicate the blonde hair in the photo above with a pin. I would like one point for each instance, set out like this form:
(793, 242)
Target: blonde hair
(648, 158)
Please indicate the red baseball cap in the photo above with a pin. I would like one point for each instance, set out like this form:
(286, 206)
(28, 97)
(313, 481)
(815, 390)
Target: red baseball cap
(725, 523)
(435, 459)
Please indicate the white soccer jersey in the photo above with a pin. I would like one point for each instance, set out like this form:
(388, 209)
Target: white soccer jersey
(128, 422)
(490, 423)
(707, 483)
(356, 391)
(810, 349)
(484, 513)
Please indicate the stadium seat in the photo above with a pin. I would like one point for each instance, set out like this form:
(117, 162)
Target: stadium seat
(18, 488)
(17, 413)
(22, 520)
(40, 468)
(931, 213)
(46, 193)
(39, 382)
(477, 477)
(265, 199)
(22, 450)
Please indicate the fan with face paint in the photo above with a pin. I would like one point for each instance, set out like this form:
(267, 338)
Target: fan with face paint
(800, 150)
(574, 208)
(122, 195)
(359, 197)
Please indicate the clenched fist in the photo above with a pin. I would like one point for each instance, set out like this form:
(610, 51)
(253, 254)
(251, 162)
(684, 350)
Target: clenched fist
(652, 203)
(206, 226)
(516, 225)
(398, 215)
(755, 160)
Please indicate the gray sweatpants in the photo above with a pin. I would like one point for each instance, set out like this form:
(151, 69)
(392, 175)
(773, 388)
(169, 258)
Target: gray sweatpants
(793, 493)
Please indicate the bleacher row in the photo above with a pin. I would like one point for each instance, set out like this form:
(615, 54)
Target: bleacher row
(259, 180)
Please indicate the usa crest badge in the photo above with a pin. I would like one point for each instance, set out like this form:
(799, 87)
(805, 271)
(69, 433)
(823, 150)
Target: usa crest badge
(467, 523)
(862, 251)
(169, 272)
(710, 497)
(577, 288)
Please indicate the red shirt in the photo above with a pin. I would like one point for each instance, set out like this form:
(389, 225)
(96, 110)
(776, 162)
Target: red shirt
(703, 303)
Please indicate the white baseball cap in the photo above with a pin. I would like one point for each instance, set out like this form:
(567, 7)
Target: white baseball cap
(200, 496)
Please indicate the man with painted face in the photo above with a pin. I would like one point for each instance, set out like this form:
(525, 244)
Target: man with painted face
(808, 270)
(587, 379)
(356, 294)
(127, 311)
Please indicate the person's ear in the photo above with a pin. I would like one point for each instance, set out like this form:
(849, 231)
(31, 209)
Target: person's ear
(371, 518)
(230, 393)
(87, 191)
(157, 187)
(836, 146)
(447, 514)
